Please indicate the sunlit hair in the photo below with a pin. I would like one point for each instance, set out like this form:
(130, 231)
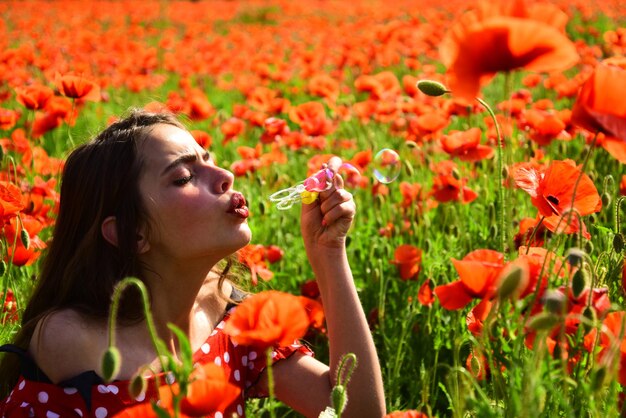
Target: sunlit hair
(81, 269)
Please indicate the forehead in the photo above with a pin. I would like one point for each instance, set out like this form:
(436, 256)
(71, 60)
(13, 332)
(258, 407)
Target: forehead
(166, 142)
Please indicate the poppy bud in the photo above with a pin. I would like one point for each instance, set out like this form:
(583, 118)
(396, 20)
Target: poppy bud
(554, 301)
(432, 88)
(590, 314)
(137, 386)
(579, 281)
(618, 243)
(409, 168)
(25, 238)
(111, 363)
(514, 279)
(3, 267)
(339, 397)
(543, 322)
(456, 174)
(606, 199)
(575, 256)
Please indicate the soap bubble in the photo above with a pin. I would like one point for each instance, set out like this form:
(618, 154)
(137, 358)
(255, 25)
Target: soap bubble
(387, 165)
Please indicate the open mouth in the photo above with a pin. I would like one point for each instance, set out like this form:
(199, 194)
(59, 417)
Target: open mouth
(238, 205)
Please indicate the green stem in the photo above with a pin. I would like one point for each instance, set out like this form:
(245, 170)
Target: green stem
(270, 381)
(501, 197)
(117, 294)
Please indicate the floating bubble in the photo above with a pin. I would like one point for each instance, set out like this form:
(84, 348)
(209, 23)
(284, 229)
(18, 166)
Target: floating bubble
(387, 165)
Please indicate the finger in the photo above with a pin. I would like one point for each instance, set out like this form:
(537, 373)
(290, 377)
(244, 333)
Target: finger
(345, 210)
(337, 197)
(334, 163)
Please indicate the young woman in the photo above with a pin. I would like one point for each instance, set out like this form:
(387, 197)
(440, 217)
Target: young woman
(143, 199)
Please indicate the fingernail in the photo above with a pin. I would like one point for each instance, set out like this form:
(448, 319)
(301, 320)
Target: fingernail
(324, 222)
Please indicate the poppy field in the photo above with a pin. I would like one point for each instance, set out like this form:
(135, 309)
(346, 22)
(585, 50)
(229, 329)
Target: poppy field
(484, 145)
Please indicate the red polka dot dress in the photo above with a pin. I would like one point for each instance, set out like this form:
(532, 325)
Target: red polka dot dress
(86, 395)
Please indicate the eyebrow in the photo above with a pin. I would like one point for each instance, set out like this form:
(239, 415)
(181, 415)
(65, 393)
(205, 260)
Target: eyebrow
(185, 159)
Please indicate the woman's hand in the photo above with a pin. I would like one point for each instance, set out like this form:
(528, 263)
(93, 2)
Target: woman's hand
(325, 222)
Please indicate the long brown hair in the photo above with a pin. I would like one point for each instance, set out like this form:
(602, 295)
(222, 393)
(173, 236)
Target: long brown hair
(80, 270)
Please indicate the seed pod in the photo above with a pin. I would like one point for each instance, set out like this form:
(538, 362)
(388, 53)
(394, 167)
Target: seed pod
(111, 363)
(432, 88)
(590, 314)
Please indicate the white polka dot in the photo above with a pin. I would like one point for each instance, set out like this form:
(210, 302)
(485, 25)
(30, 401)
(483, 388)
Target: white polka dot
(113, 389)
(226, 357)
(205, 348)
(234, 344)
(251, 365)
(213, 333)
(237, 375)
(170, 378)
(244, 360)
(252, 355)
(42, 397)
(218, 361)
(51, 414)
(220, 325)
(218, 414)
(274, 354)
(101, 412)
(70, 391)
(240, 409)
(22, 383)
(141, 397)
(31, 413)
(79, 412)
(24, 404)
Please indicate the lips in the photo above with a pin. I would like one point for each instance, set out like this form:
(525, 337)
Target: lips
(238, 205)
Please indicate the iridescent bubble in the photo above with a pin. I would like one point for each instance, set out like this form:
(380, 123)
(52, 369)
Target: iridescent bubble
(387, 165)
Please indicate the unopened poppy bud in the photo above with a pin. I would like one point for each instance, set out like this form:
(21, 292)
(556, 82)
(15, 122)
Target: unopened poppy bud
(475, 366)
(456, 174)
(579, 281)
(111, 363)
(590, 314)
(339, 397)
(554, 301)
(606, 199)
(25, 238)
(544, 321)
(3, 267)
(514, 279)
(137, 386)
(432, 88)
(575, 256)
(618, 243)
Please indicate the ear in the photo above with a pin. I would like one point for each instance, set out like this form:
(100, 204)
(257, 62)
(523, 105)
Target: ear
(109, 230)
(142, 243)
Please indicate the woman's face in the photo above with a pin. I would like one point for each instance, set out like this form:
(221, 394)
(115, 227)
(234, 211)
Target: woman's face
(193, 210)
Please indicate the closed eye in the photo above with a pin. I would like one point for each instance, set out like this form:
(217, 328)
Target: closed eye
(183, 180)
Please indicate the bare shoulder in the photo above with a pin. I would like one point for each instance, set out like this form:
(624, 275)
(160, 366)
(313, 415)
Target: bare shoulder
(65, 344)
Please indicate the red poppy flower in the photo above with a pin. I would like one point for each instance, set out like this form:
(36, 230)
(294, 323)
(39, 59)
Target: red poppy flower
(231, 128)
(474, 50)
(408, 259)
(274, 129)
(267, 319)
(600, 105)
(78, 87)
(9, 312)
(466, 145)
(11, 201)
(34, 97)
(253, 256)
(202, 138)
(552, 192)
(478, 272)
(311, 117)
(425, 295)
(8, 118)
(406, 414)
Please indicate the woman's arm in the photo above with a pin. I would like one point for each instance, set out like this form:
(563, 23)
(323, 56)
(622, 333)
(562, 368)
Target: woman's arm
(325, 224)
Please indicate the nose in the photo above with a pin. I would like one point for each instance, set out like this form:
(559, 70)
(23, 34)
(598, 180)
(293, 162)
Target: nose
(222, 180)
